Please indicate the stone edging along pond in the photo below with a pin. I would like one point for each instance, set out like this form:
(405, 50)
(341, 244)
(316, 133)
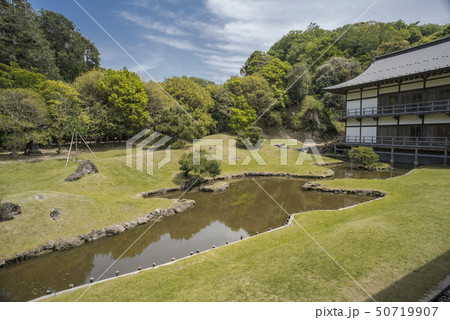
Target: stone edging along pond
(240, 176)
(316, 186)
(72, 242)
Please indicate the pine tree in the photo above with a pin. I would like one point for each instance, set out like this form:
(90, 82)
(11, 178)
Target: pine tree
(21, 39)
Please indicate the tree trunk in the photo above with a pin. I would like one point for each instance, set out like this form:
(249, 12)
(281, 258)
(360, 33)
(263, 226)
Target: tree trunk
(59, 141)
(14, 145)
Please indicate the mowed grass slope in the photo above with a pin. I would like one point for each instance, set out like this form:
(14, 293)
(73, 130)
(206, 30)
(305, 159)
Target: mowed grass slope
(103, 199)
(396, 248)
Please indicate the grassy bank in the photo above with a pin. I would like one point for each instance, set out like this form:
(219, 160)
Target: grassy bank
(103, 199)
(396, 248)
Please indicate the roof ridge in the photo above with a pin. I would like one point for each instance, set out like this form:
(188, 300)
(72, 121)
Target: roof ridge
(421, 46)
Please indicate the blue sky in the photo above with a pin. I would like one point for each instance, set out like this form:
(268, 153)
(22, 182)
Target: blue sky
(211, 39)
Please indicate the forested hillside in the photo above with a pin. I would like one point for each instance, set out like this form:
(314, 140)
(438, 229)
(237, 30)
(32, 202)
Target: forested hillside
(51, 83)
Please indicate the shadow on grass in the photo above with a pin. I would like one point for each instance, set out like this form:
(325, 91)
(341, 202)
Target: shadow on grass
(418, 283)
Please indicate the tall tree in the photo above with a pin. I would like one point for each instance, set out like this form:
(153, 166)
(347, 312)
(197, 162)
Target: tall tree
(21, 39)
(221, 111)
(188, 93)
(176, 124)
(90, 101)
(74, 54)
(275, 73)
(158, 100)
(242, 115)
(22, 112)
(297, 80)
(203, 82)
(63, 109)
(194, 98)
(123, 94)
(12, 76)
(255, 63)
(334, 71)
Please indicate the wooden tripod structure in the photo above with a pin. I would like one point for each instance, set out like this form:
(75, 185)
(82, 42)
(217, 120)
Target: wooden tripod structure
(76, 134)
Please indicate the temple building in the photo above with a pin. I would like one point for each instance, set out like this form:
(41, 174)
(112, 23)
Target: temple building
(400, 106)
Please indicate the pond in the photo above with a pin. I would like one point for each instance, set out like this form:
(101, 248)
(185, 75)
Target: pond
(216, 218)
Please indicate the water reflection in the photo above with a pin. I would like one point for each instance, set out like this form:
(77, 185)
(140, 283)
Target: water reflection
(350, 170)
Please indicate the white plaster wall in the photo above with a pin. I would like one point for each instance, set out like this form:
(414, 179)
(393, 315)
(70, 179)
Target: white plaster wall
(352, 132)
(368, 132)
(437, 82)
(352, 122)
(353, 95)
(368, 122)
(436, 118)
(383, 121)
(371, 92)
(389, 89)
(371, 104)
(410, 120)
(353, 105)
(411, 86)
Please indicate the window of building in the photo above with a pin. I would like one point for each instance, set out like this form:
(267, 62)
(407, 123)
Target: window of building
(427, 130)
(415, 96)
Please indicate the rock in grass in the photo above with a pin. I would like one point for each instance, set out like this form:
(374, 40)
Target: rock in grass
(85, 168)
(55, 213)
(9, 211)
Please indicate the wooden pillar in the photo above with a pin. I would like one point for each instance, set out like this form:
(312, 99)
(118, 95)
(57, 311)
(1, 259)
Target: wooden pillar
(392, 157)
(416, 158)
(445, 157)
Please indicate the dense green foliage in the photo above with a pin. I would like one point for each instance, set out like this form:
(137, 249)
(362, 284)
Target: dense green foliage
(22, 114)
(203, 167)
(364, 155)
(74, 54)
(123, 94)
(251, 134)
(279, 88)
(47, 41)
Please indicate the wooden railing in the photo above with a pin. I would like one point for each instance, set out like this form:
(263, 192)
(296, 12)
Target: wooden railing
(426, 142)
(441, 106)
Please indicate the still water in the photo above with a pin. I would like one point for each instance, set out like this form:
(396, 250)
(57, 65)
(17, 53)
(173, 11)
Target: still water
(216, 218)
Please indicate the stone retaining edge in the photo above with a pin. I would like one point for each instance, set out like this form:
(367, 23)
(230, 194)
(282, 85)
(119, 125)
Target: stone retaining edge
(73, 242)
(242, 175)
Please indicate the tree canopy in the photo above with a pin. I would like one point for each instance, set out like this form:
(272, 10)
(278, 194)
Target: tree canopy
(45, 41)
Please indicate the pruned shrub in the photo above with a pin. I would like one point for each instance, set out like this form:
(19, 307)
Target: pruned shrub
(364, 155)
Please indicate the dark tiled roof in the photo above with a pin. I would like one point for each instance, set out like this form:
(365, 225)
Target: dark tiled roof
(429, 58)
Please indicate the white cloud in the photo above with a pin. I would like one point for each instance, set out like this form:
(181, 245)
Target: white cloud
(182, 44)
(223, 33)
(224, 63)
(153, 25)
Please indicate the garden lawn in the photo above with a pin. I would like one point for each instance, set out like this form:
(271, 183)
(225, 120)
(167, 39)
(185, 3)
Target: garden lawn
(106, 198)
(397, 249)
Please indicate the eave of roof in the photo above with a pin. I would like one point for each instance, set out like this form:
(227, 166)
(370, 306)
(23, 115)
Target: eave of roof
(421, 61)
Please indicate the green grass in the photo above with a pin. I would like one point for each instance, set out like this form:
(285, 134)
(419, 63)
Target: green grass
(103, 199)
(397, 248)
